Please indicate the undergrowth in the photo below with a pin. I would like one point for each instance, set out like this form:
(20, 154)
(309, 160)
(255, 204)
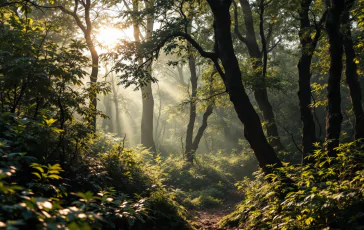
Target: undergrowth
(107, 186)
(327, 194)
(210, 180)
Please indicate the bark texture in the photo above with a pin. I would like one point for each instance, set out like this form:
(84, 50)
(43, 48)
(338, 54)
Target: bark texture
(147, 122)
(192, 118)
(202, 128)
(259, 60)
(352, 77)
(117, 128)
(232, 78)
(308, 45)
(334, 117)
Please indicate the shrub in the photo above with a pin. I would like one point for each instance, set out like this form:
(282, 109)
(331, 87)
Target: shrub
(328, 194)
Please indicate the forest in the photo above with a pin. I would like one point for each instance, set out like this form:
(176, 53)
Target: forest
(181, 114)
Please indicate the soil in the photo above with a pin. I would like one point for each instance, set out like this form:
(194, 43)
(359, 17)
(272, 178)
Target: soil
(208, 219)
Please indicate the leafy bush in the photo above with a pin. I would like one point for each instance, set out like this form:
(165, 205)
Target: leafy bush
(23, 208)
(37, 195)
(327, 194)
(165, 213)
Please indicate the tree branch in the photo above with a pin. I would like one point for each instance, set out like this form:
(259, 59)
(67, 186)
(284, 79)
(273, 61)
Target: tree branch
(318, 27)
(236, 25)
(274, 46)
(203, 53)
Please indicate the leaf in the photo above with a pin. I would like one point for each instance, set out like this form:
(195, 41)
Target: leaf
(309, 220)
(56, 177)
(50, 121)
(37, 174)
(57, 130)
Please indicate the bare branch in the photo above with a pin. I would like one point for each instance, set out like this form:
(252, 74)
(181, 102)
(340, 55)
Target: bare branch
(274, 45)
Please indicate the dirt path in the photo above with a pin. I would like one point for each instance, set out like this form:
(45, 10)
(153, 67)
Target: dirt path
(208, 219)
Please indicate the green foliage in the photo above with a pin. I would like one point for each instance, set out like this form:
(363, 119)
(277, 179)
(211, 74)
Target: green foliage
(21, 207)
(46, 103)
(326, 194)
(134, 172)
(165, 212)
(207, 198)
(210, 181)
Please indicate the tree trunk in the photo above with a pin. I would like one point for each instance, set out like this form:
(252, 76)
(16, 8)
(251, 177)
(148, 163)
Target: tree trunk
(118, 127)
(304, 73)
(147, 139)
(260, 88)
(148, 102)
(352, 78)
(192, 118)
(147, 118)
(180, 75)
(93, 80)
(107, 123)
(202, 128)
(224, 47)
(87, 32)
(334, 116)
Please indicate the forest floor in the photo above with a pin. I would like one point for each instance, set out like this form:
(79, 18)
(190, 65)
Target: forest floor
(208, 219)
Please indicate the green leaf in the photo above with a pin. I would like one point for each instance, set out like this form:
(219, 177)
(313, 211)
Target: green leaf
(37, 174)
(50, 121)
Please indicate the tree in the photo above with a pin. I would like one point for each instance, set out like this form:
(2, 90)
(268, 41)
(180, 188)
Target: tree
(86, 28)
(308, 46)
(192, 143)
(259, 58)
(352, 73)
(334, 117)
(147, 139)
(231, 76)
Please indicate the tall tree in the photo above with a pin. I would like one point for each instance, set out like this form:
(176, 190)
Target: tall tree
(334, 117)
(230, 73)
(192, 116)
(232, 78)
(352, 73)
(192, 143)
(115, 99)
(147, 139)
(308, 46)
(259, 60)
(86, 28)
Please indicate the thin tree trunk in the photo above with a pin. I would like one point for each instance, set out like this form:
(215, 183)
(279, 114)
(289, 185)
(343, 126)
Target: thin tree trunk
(260, 88)
(118, 127)
(232, 78)
(87, 31)
(107, 123)
(180, 75)
(202, 129)
(334, 117)
(93, 80)
(192, 118)
(352, 78)
(304, 72)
